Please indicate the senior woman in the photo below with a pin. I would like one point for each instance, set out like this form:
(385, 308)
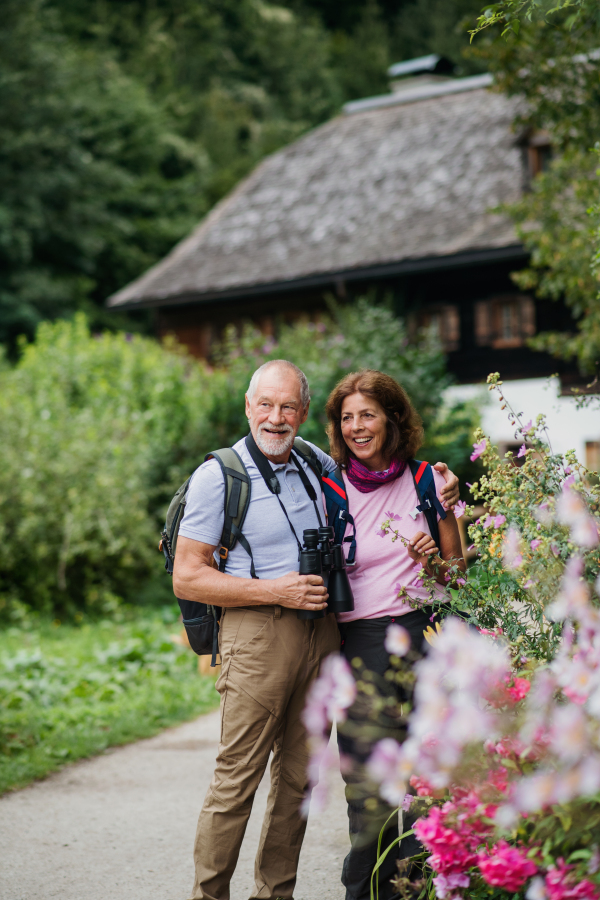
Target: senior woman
(373, 432)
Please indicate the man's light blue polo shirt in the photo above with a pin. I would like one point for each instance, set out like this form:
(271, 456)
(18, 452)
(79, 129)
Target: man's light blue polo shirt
(274, 547)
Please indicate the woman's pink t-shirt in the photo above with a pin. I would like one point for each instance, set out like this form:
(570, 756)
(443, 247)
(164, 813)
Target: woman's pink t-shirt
(381, 564)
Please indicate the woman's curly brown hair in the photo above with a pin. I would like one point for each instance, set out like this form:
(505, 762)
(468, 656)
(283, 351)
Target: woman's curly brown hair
(404, 425)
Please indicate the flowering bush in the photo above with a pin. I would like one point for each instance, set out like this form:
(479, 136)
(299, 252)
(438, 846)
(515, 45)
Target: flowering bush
(503, 746)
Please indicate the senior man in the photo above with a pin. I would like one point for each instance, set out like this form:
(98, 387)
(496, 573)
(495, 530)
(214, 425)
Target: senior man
(269, 656)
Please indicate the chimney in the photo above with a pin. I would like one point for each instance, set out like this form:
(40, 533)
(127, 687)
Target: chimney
(429, 69)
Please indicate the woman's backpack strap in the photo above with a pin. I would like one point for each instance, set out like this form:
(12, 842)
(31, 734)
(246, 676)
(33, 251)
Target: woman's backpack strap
(338, 511)
(429, 503)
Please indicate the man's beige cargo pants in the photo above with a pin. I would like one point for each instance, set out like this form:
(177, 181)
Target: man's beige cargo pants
(269, 659)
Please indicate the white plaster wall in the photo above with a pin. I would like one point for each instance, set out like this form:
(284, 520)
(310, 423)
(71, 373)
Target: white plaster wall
(569, 427)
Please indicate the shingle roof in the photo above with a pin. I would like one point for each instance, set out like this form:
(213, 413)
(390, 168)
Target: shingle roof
(406, 181)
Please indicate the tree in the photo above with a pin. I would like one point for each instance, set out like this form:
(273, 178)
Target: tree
(555, 67)
(512, 13)
(94, 183)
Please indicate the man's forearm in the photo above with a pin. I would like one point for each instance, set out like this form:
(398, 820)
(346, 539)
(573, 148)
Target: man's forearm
(207, 585)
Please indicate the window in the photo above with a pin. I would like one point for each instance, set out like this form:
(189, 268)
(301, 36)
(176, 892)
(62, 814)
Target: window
(539, 153)
(444, 320)
(504, 321)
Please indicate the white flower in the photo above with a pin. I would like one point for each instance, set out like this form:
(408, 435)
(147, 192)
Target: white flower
(511, 549)
(445, 884)
(397, 640)
(389, 766)
(569, 732)
(458, 671)
(572, 599)
(506, 816)
(537, 889)
(323, 759)
(572, 511)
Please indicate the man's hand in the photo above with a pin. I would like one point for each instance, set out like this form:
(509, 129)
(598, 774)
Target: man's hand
(450, 493)
(421, 547)
(296, 591)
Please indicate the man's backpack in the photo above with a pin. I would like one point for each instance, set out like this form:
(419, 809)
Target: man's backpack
(201, 620)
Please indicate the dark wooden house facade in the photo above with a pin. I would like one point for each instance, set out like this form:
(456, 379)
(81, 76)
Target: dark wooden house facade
(395, 196)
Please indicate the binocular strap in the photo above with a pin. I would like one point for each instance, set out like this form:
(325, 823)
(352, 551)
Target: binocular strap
(264, 467)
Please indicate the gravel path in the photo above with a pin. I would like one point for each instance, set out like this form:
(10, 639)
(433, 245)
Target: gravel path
(121, 827)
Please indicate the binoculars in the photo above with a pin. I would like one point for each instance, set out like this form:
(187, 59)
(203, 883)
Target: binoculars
(320, 556)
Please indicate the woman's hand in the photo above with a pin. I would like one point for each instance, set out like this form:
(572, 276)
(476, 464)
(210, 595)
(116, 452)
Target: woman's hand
(421, 547)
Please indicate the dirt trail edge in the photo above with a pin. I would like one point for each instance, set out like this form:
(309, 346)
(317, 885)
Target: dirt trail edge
(121, 827)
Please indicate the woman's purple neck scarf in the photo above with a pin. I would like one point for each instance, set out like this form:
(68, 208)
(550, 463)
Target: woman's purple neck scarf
(365, 481)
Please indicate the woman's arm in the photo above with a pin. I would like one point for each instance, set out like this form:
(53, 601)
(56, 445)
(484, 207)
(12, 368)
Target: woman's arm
(422, 549)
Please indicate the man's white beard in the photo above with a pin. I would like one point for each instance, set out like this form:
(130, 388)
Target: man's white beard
(275, 446)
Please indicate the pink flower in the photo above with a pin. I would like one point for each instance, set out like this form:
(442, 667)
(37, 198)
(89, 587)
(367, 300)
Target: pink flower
(527, 428)
(422, 786)
(445, 884)
(506, 867)
(330, 695)
(451, 854)
(505, 694)
(519, 689)
(535, 544)
(459, 509)
(499, 520)
(562, 884)
(478, 449)
(522, 452)
(407, 802)
(397, 640)
(381, 533)
(394, 517)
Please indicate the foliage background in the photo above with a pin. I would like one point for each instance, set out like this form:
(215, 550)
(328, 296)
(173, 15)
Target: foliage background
(123, 121)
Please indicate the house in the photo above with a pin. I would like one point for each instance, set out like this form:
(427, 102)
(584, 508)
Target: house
(394, 196)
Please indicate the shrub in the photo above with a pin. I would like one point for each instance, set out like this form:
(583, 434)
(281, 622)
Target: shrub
(93, 428)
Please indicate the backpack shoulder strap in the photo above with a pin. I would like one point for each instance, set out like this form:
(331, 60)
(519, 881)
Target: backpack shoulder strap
(168, 539)
(429, 503)
(306, 452)
(236, 502)
(338, 511)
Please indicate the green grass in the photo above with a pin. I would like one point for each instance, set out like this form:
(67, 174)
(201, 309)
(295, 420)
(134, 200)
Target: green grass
(69, 692)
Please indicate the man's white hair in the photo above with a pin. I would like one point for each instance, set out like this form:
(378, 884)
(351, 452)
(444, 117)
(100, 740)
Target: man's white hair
(304, 388)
